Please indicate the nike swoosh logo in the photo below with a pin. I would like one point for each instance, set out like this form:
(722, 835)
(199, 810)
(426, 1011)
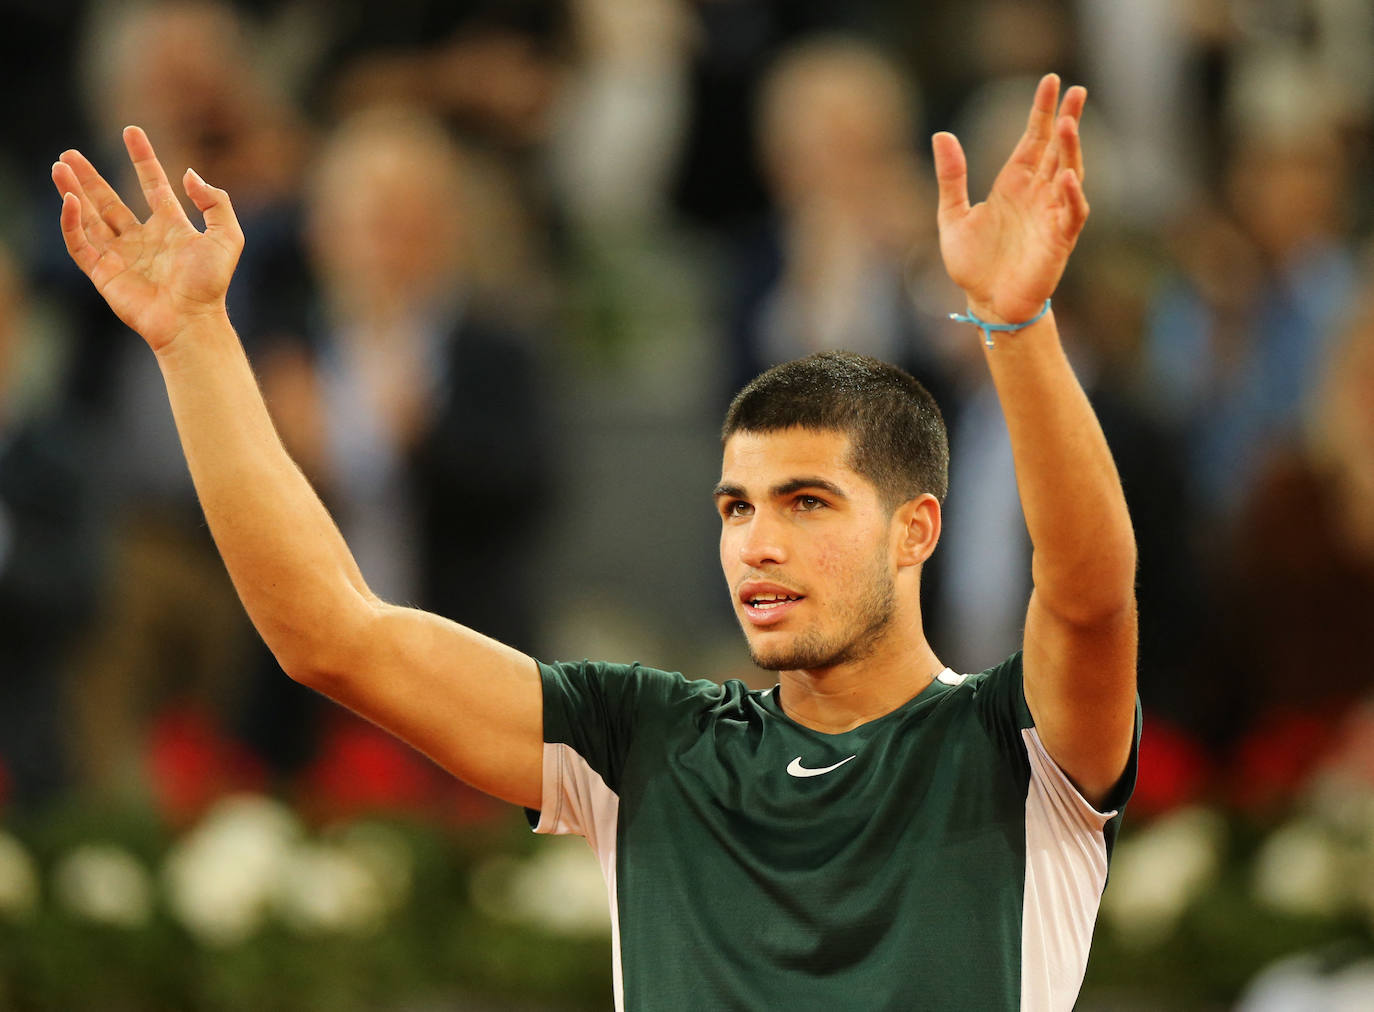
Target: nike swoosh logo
(798, 770)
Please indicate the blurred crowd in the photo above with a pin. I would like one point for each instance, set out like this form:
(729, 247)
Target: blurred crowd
(506, 262)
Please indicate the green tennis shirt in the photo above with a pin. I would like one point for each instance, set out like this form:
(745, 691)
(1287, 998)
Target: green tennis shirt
(934, 858)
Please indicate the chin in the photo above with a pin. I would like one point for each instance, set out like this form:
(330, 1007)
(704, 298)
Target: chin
(796, 656)
(812, 654)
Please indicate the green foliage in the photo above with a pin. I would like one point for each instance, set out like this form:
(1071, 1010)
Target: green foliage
(433, 948)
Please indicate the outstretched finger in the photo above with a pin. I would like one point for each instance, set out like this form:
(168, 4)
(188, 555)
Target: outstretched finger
(153, 181)
(214, 205)
(951, 175)
(74, 235)
(104, 202)
(1039, 126)
(1074, 100)
(90, 221)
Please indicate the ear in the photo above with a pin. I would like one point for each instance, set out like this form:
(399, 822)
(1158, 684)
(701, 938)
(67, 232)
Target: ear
(916, 528)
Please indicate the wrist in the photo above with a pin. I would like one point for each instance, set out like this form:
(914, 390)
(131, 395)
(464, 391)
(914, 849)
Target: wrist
(994, 321)
(986, 309)
(1014, 312)
(199, 329)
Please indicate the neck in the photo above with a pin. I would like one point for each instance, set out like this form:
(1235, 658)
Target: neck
(841, 698)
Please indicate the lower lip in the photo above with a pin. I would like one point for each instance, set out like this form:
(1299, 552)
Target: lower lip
(770, 616)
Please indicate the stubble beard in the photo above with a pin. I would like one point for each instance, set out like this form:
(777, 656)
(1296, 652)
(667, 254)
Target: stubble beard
(811, 651)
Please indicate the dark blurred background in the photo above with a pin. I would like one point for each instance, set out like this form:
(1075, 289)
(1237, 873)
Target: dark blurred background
(506, 262)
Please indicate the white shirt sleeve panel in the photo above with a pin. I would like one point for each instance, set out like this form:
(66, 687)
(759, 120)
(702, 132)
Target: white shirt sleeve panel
(1066, 871)
(576, 800)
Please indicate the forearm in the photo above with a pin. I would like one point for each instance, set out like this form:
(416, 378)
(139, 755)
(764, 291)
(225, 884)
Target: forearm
(288, 562)
(1084, 547)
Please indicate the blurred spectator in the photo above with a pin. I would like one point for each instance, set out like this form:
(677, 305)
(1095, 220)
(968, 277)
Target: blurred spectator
(420, 416)
(491, 70)
(719, 183)
(1237, 336)
(424, 398)
(1293, 637)
(170, 630)
(1134, 57)
(192, 74)
(619, 128)
(50, 556)
(836, 124)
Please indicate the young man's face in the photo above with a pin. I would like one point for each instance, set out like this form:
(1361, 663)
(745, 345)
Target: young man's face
(805, 544)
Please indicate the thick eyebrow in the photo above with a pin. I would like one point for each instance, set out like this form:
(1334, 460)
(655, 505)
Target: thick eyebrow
(795, 485)
(786, 488)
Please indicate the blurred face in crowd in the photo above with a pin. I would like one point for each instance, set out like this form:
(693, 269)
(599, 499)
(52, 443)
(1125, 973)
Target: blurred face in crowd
(1289, 192)
(834, 117)
(185, 71)
(386, 218)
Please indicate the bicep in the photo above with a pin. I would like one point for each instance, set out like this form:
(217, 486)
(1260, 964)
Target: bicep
(1080, 686)
(473, 705)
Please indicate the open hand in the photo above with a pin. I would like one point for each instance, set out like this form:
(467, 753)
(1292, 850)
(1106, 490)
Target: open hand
(159, 275)
(1008, 252)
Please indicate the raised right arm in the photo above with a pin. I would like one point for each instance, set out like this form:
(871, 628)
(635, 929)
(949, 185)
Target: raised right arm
(470, 703)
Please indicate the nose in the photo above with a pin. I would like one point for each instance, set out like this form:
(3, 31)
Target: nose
(761, 542)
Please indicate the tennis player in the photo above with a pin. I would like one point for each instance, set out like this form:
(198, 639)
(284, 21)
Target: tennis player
(876, 831)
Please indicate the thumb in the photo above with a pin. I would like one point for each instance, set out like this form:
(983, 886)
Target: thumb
(214, 205)
(951, 174)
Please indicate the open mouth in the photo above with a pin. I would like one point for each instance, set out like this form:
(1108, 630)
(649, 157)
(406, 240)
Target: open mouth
(763, 606)
(767, 602)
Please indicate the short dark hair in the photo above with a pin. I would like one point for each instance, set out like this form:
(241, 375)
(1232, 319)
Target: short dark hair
(897, 437)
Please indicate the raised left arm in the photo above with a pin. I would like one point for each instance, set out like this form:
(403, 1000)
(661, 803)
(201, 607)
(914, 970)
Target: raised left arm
(1008, 254)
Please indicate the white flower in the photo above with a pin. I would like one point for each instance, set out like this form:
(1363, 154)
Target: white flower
(104, 883)
(324, 888)
(1301, 870)
(222, 876)
(1158, 871)
(559, 889)
(386, 854)
(18, 879)
(1310, 981)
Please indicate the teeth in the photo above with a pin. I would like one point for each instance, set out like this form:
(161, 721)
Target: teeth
(770, 600)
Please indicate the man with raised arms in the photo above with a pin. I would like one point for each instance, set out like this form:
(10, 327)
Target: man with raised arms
(876, 831)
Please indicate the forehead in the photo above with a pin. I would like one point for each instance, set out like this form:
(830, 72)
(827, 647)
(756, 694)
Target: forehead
(766, 458)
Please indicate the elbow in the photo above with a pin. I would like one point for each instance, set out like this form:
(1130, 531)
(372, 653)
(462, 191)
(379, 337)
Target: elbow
(305, 670)
(1099, 590)
(323, 655)
(308, 665)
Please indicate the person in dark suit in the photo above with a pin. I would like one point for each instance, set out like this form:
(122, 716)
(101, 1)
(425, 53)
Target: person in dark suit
(418, 412)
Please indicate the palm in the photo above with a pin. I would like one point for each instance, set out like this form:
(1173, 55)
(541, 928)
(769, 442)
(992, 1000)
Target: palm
(157, 274)
(1009, 252)
(154, 276)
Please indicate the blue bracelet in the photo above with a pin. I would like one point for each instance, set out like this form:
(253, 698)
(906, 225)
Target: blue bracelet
(988, 328)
